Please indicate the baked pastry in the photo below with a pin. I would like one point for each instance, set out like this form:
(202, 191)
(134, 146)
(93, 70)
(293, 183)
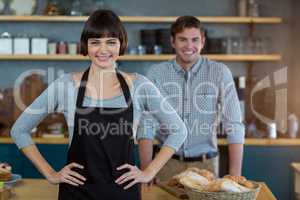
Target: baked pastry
(207, 174)
(201, 180)
(241, 180)
(191, 183)
(225, 185)
(204, 180)
(203, 172)
(192, 174)
(5, 172)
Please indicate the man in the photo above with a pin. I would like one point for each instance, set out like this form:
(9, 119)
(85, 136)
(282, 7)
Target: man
(203, 94)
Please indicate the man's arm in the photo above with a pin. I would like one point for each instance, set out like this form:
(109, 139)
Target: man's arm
(235, 159)
(232, 124)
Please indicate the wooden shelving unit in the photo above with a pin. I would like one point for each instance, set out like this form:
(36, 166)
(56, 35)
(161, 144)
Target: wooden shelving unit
(219, 57)
(147, 19)
(144, 19)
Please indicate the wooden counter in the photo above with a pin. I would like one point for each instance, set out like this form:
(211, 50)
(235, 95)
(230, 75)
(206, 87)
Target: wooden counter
(248, 141)
(296, 168)
(39, 189)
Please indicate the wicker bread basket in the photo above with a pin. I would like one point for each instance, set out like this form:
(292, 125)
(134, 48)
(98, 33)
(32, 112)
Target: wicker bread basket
(202, 195)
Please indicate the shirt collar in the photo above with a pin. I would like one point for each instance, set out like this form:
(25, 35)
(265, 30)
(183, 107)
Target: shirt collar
(194, 69)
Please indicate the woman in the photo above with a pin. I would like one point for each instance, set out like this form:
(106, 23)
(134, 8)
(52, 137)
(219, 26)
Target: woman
(100, 114)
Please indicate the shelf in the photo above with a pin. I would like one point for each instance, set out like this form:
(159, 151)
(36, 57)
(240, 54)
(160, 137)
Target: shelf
(146, 19)
(222, 142)
(7, 140)
(266, 142)
(219, 57)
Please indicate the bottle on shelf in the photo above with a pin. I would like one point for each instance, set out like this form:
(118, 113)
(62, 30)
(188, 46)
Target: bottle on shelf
(242, 8)
(293, 125)
(253, 8)
(241, 87)
(76, 8)
(272, 131)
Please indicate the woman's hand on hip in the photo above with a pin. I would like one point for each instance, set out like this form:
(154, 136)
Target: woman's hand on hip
(135, 175)
(67, 175)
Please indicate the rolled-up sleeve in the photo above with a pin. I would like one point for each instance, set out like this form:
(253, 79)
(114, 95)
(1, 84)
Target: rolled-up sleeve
(159, 113)
(147, 127)
(231, 113)
(45, 103)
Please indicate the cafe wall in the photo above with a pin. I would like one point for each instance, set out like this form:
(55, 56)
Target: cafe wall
(294, 70)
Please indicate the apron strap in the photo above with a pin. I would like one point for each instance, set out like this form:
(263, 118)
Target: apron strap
(125, 89)
(82, 87)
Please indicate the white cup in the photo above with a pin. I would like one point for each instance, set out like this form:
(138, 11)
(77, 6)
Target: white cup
(72, 48)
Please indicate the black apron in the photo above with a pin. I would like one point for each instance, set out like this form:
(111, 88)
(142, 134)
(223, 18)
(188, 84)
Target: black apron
(102, 141)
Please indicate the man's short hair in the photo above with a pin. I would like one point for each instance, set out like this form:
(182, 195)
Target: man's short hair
(185, 22)
(103, 23)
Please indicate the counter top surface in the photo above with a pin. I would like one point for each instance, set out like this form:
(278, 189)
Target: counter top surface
(37, 189)
(296, 167)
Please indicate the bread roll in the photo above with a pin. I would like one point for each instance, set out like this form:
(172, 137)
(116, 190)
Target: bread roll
(207, 174)
(241, 180)
(191, 184)
(194, 180)
(225, 185)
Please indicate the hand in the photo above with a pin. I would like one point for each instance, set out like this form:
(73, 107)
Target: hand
(134, 174)
(66, 175)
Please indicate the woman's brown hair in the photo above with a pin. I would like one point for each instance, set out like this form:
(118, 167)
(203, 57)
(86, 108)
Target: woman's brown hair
(103, 23)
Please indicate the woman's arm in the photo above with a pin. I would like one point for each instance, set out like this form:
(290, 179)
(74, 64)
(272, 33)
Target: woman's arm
(173, 126)
(46, 103)
(66, 175)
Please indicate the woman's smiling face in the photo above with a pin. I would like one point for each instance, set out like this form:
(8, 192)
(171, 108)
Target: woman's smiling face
(103, 52)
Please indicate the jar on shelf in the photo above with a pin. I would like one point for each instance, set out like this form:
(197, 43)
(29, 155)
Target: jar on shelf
(72, 48)
(21, 44)
(52, 48)
(39, 45)
(6, 43)
(62, 47)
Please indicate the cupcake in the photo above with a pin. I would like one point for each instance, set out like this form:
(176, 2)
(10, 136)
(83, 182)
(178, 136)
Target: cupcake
(5, 172)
